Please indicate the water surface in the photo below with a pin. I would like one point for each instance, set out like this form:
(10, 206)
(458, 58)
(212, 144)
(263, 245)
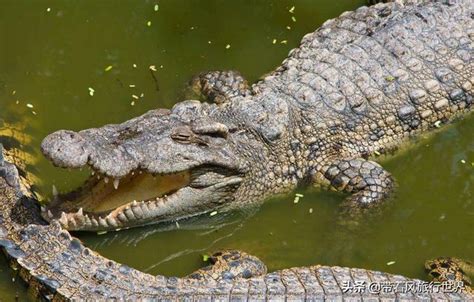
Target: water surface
(53, 53)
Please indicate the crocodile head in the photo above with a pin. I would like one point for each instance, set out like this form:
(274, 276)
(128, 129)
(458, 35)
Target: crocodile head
(162, 166)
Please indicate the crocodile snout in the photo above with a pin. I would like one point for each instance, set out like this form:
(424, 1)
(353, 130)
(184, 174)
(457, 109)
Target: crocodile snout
(65, 149)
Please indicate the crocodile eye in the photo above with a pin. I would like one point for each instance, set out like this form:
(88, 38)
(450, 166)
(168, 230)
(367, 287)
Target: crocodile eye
(435, 274)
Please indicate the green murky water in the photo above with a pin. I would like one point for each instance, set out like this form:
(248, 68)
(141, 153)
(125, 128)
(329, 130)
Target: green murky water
(52, 52)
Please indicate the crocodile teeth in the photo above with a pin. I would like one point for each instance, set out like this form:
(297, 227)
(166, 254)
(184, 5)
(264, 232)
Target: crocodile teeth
(80, 212)
(134, 203)
(63, 219)
(55, 192)
(43, 209)
(106, 180)
(50, 215)
(116, 183)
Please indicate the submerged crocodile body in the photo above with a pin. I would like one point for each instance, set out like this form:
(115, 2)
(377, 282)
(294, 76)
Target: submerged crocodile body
(58, 267)
(360, 85)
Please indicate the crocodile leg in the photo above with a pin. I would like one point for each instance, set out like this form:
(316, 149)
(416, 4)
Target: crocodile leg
(229, 265)
(368, 182)
(220, 86)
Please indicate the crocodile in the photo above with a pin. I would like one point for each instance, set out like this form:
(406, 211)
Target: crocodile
(361, 85)
(56, 266)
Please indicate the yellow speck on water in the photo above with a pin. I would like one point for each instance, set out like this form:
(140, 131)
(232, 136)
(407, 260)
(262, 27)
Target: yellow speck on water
(209, 42)
(437, 124)
(284, 42)
(34, 112)
(132, 103)
(463, 161)
(292, 9)
(152, 67)
(135, 96)
(296, 200)
(299, 195)
(48, 9)
(148, 23)
(29, 105)
(391, 263)
(227, 46)
(134, 65)
(13, 92)
(311, 210)
(205, 257)
(390, 78)
(108, 68)
(293, 18)
(131, 85)
(377, 153)
(288, 27)
(274, 41)
(213, 213)
(156, 7)
(91, 91)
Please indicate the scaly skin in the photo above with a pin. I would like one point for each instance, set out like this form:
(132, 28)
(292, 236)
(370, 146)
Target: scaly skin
(361, 85)
(276, 124)
(58, 267)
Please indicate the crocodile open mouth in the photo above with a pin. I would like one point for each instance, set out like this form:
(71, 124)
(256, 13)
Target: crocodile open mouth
(139, 198)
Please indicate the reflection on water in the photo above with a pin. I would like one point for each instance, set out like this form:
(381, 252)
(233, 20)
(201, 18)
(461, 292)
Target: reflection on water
(77, 65)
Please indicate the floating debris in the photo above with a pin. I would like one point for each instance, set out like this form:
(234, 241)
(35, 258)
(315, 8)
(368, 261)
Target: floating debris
(288, 27)
(101, 232)
(390, 78)
(274, 41)
(132, 103)
(131, 85)
(437, 124)
(296, 200)
(442, 217)
(134, 65)
(391, 263)
(135, 96)
(108, 68)
(292, 9)
(205, 257)
(148, 23)
(13, 92)
(311, 210)
(213, 213)
(152, 67)
(227, 46)
(209, 42)
(29, 105)
(293, 18)
(48, 9)
(156, 7)
(284, 42)
(91, 91)
(299, 195)
(377, 153)
(142, 95)
(463, 161)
